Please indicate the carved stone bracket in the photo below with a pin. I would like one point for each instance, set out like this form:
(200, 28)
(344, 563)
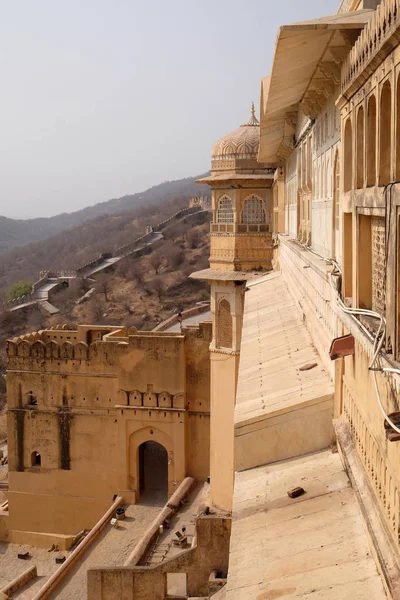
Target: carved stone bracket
(331, 71)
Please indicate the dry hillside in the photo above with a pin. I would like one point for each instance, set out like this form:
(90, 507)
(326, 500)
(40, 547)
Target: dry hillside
(75, 247)
(17, 232)
(139, 292)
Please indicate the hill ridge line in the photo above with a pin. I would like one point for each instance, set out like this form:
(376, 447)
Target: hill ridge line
(52, 281)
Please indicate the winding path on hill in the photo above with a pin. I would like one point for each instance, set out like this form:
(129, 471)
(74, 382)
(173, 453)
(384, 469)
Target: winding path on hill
(42, 289)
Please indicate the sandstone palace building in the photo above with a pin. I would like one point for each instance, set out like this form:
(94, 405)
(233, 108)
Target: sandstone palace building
(286, 404)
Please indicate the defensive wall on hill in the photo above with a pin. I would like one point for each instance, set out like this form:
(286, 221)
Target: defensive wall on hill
(50, 282)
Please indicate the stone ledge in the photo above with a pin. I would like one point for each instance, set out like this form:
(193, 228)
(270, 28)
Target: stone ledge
(384, 549)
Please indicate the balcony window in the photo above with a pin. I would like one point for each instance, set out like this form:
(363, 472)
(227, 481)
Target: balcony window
(225, 210)
(253, 212)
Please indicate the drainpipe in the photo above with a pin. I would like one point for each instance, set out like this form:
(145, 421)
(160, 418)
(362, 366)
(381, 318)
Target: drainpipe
(62, 571)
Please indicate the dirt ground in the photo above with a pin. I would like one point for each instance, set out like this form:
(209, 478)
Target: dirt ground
(112, 547)
(11, 567)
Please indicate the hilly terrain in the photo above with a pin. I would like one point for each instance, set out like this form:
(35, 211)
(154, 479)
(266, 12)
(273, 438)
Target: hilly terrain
(17, 232)
(139, 292)
(76, 247)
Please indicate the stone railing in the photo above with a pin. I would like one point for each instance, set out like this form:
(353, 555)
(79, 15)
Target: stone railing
(308, 280)
(379, 37)
(18, 301)
(203, 202)
(93, 263)
(150, 230)
(44, 276)
(132, 246)
(375, 462)
(239, 228)
(181, 213)
(32, 297)
(189, 312)
(123, 251)
(64, 273)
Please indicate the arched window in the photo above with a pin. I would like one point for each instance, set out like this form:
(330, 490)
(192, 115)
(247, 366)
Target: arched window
(31, 399)
(225, 210)
(371, 142)
(398, 129)
(360, 148)
(348, 157)
(224, 325)
(36, 459)
(385, 144)
(336, 205)
(253, 212)
(328, 191)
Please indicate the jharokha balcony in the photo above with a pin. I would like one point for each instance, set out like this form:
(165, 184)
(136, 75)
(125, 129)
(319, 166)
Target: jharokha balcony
(378, 38)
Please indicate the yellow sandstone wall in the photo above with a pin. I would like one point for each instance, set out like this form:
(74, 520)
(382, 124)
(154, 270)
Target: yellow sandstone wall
(86, 408)
(224, 370)
(356, 404)
(242, 252)
(197, 364)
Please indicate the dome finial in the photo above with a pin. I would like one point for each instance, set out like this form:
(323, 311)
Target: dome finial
(253, 121)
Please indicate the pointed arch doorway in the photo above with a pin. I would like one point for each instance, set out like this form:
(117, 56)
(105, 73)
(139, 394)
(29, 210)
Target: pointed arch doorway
(153, 473)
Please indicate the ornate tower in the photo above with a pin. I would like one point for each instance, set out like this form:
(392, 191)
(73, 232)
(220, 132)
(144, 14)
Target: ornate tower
(241, 243)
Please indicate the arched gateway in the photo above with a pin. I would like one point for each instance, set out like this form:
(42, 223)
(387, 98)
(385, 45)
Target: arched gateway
(153, 472)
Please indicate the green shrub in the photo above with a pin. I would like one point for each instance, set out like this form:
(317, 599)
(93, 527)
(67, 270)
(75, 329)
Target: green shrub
(22, 288)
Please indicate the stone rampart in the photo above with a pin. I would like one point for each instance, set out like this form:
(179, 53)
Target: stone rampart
(210, 553)
(178, 215)
(190, 312)
(70, 345)
(123, 251)
(93, 263)
(150, 230)
(203, 202)
(44, 276)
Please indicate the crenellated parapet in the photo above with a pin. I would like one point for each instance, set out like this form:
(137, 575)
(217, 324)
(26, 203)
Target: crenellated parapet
(378, 38)
(99, 344)
(37, 349)
(204, 202)
(19, 301)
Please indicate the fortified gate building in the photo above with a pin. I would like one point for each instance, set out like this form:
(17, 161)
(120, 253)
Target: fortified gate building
(290, 399)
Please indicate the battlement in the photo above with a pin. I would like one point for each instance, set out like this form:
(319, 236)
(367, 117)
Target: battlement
(87, 342)
(203, 202)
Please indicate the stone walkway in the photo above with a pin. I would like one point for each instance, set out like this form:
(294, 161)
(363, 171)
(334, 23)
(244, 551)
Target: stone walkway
(195, 320)
(112, 547)
(314, 546)
(164, 548)
(284, 402)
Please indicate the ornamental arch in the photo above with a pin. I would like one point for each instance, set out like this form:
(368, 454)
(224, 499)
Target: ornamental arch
(253, 212)
(224, 335)
(371, 142)
(151, 457)
(225, 213)
(360, 149)
(348, 157)
(385, 133)
(398, 129)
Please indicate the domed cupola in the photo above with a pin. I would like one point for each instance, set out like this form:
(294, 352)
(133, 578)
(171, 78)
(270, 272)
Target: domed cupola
(238, 150)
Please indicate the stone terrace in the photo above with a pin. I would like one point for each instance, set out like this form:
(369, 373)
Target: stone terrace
(314, 546)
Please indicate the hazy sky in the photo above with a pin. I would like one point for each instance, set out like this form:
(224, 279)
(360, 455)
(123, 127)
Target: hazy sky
(101, 98)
